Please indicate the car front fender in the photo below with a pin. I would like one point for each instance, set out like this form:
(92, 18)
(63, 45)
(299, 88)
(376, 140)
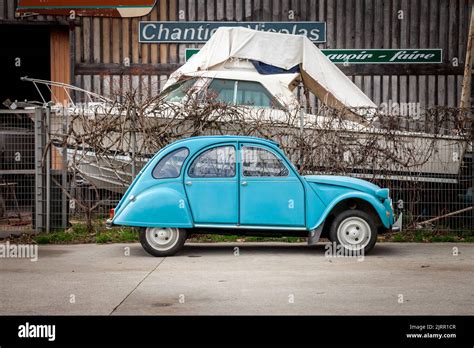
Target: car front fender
(373, 201)
(157, 206)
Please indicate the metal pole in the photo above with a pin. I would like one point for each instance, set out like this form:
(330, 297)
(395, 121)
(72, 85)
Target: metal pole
(301, 121)
(64, 172)
(39, 213)
(301, 135)
(47, 130)
(134, 144)
(466, 90)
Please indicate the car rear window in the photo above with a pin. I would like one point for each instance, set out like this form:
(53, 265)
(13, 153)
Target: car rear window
(170, 165)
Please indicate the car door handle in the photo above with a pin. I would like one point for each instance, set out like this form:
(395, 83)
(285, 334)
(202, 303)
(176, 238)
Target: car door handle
(189, 183)
(244, 183)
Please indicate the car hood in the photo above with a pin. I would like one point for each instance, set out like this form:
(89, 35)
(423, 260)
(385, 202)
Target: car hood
(345, 181)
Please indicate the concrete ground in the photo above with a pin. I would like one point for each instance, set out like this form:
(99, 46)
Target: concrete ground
(265, 278)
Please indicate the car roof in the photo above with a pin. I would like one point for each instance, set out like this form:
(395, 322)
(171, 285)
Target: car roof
(211, 139)
(196, 143)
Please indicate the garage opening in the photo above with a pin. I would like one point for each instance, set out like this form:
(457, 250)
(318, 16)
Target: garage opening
(25, 51)
(40, 52)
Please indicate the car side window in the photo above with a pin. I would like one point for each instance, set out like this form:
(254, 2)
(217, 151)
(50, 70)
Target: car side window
(170, 165)
(259, 162)
(218, 162)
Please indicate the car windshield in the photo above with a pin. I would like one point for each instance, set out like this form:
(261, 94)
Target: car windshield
(178, 91)
(249, 93)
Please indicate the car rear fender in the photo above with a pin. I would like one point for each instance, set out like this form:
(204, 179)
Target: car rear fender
(156, 206)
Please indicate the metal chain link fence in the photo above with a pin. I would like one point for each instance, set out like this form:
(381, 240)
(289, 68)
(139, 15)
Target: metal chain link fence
(60, 166)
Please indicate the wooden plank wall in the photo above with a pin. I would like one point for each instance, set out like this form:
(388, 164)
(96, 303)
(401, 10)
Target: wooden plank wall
(108, 56)
(350, 24)
(60, 63)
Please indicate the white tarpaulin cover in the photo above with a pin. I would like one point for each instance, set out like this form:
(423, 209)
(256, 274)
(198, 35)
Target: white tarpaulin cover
(285, 51)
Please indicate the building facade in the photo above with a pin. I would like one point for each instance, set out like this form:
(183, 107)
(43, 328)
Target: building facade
(104, 54)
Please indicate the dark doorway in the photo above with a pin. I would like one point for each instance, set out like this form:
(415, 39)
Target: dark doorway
(25, 51)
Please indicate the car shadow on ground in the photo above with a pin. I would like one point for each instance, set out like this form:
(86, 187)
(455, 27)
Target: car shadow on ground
(208, 249)
(197, 250)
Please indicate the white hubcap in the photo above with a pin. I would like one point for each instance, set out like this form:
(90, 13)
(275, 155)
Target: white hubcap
(354, 233)
(162, 238)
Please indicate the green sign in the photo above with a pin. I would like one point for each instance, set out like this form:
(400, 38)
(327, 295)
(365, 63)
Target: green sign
(373, 56)
(389, 56)
(189, 53)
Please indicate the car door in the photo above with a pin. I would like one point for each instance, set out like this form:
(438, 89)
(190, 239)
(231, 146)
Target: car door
(271, 193)
(212, 187)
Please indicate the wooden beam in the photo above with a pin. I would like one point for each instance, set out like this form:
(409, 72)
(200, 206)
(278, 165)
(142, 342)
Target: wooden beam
(351, 70)
(400, 69)
(466, 85)
(119, 69)
(446, 215)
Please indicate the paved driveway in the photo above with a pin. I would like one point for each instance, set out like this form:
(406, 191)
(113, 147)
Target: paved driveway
(256, 278)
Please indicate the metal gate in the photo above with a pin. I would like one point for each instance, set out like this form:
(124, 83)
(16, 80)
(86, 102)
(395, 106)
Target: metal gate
(31, 168)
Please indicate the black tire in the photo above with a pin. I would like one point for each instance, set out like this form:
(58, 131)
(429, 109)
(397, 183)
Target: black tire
(344, 217)
(152, 249)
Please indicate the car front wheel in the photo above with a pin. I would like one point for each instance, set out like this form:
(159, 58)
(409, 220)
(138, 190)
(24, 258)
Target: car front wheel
(354, 230)
(160, 242)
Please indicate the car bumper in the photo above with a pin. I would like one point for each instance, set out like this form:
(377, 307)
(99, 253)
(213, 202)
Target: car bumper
(397, 226)
(108, 224)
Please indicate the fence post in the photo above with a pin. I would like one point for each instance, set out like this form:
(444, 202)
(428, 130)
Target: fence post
(466, 85)
(39, 174)
(64, 170)
(301, 114)
(47, 138)
(134, 143)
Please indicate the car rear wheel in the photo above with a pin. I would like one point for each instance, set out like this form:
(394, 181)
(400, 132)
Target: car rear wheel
(161, 242)
(354, 230)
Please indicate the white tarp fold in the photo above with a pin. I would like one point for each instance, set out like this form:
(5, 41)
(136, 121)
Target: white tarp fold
(285, 51)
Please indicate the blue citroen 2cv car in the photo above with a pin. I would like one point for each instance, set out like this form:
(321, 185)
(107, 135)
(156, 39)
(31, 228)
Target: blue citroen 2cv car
(246, 185)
